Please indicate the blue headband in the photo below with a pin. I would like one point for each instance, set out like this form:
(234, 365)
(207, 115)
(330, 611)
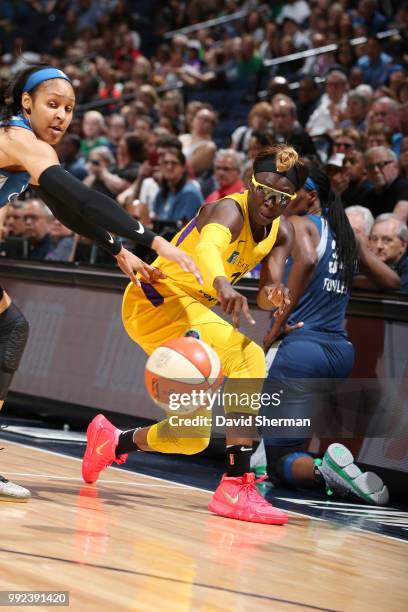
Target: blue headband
(310, 185)
(45, 74)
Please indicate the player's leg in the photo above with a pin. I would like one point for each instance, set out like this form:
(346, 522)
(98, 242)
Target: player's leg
(13, 338)
(288, 463)
(150, 318)
(150, 322)
(296, 368)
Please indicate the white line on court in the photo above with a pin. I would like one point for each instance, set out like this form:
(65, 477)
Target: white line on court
(313, 518)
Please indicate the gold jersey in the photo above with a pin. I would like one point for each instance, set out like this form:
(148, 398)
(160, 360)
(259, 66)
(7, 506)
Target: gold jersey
(239, 258)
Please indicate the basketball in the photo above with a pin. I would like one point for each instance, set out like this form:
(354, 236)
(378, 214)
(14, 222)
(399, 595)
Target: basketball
(180, 369)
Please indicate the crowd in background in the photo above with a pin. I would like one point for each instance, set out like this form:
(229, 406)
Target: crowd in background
(167, 123)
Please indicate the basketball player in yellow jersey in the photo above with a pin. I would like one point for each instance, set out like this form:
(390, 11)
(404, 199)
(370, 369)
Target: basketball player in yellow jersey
(226, 240)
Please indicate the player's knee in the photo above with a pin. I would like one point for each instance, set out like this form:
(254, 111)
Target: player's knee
(192, 446)
(285, 472)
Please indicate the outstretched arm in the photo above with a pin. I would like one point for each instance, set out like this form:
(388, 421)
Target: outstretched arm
(127, 261)
(41, 162)
(304, 264)
(219, 224)
(271, 293)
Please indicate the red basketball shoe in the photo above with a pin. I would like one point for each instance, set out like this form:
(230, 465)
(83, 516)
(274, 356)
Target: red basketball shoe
(102, 440)
(238, 498)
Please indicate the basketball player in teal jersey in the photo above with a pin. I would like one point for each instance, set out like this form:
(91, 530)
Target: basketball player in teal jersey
(313, 341)
(39, 109)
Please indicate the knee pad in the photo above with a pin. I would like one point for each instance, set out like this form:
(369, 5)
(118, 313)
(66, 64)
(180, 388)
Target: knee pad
(13, 338)
(283, 471)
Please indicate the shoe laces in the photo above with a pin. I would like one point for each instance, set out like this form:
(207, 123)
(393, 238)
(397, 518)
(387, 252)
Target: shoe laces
(252, 493)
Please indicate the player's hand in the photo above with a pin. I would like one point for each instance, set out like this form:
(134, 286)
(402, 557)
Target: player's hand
(131, 265)
(171, 252)
(278, 295)
(274, 333)
(231, 301)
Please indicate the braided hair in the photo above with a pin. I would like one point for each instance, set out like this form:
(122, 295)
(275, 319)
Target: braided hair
(333, 211)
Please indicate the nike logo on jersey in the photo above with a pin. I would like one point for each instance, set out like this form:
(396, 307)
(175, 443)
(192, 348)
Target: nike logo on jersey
(110, 238)
(141, 229)
(101, 447)
(230, 498)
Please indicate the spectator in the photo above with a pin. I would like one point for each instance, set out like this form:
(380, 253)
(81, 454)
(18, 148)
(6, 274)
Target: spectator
(143, 126)
(70, 158)
(227, 171)
(130, 154)
(276, 85)
(259, 118)
(93, 127)
(354, 166)
(375, 64)
(149, 97)
(369, 17)
(198, 146)
(388, 240)
(339, 178)
(296, 10)
(345, 140)
(62, 245)
(385, 110)
(38, 218)
(308, 98)
(15, 223)
(138, 199)
(287, 129)
(389, 192)
(378, 135)
(192, 109)
(345, 57)
(250, 63)
(258, 141)
(178, 198)
(361, 220)
(356, 112)
(116, 130)
(331, 110)
(100, 160)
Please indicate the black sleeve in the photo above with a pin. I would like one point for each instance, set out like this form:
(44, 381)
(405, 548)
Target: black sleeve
(77, 224)
(93, 206)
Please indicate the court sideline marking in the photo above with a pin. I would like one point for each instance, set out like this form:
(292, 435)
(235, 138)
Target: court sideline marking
(180, 484)
(171, 579)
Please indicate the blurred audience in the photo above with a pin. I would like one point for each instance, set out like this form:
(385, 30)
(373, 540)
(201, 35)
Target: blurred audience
(227, 173)
(37, 218)
(178, 199)
(140, 101)
(388, 240)
(62, 242)
(361, 220)
(389, 192)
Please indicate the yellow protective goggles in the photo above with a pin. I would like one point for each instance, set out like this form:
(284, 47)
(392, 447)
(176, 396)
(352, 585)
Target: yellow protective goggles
(269, 192)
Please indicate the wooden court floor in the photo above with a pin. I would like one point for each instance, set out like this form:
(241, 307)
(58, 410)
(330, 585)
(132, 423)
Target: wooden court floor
(138, 543)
